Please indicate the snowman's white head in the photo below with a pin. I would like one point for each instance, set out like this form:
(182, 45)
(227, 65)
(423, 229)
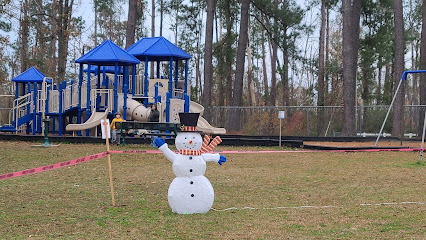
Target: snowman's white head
(188, 141)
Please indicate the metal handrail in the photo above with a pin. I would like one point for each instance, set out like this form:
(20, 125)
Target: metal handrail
(20, 106)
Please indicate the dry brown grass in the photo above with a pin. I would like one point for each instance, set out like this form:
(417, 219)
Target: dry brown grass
(382, 143)
(75, 203)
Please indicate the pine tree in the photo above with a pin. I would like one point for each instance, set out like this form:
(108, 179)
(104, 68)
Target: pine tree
(208, 57)
(398, 108)
(351, 15)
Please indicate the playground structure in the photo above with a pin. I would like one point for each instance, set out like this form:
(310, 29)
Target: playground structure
(108, 85)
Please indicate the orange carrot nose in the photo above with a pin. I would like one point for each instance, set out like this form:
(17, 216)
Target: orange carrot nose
(190, 142)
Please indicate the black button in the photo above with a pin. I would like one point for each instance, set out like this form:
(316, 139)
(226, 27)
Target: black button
(192, 195)
(192, 182)
(190, 158)
(190, 170)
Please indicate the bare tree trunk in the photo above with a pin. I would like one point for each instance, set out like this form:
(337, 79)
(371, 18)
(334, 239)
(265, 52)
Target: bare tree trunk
(53, 41)
(65, 11)
(239, 70)
(25, 25)
(161, 17)
(274, 57)
(388, 83)
(250, 83)
(321, 97)
(198, 80)
(286, 89)
(327, 45)
(208, 58)
(273, 93)
(264, 70)
(398, 108)
(197, 70)
(221, 90)
(351, 15)
(152, 34)
(413, 95)
(96, 23)
(284, 74)
(415, 91)
(40, 41)
(422, 83)
(131, 23)
(379, 86)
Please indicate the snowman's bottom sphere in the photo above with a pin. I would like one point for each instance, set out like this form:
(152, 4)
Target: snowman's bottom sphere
(189, 195)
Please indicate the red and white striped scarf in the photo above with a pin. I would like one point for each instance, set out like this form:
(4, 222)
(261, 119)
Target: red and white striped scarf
(190, 152)
(206, 147)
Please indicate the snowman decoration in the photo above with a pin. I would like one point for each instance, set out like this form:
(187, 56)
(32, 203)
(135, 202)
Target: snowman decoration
(190, 192)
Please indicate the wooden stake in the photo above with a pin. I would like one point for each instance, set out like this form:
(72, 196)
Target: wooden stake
(109, 161)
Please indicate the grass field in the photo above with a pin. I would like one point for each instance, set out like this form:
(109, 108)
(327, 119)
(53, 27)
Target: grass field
(75, 203)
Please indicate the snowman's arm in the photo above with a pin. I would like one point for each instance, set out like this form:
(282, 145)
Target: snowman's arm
(169, 154)
(211, 157)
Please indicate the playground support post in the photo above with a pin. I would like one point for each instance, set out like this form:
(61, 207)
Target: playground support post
(88, 96)
(125, 89)
(98, 86)
(158, 69)
(171, 77)
(156, 93)
(34, 127)
(43, 99)
(186, 107)
(60, 116)
(133, 79)
(47, 98)
(28, 109)
(145, 86)
(176, 73)
(170, 91)
(88, 92)
(115, 88)
(104, 78)
(168, 107)
(80, 83)
(17, 89)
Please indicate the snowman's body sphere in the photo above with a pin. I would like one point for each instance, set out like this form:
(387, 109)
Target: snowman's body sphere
(189, 166)
(190, 192)
(189, 195)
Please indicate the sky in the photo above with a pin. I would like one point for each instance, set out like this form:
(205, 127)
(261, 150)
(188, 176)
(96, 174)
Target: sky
(86, 11)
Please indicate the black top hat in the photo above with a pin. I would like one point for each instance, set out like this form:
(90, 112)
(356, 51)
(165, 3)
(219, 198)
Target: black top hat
(189, 121)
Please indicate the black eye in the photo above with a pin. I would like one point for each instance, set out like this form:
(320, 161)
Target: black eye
(185, 137)
(193, 137)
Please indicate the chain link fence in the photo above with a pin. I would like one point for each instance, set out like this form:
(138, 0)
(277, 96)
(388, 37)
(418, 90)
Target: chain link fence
(6, 104)
(315, 121)
(300, 120)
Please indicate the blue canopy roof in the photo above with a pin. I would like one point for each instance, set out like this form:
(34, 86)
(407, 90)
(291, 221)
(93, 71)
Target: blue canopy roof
(31, 75)
(108, 69)
(107, 54)
(157, 49)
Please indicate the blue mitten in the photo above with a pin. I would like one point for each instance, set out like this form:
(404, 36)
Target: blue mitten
(159, 142)
(222, 159)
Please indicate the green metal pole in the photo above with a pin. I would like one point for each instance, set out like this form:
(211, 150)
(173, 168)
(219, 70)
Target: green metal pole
(46, 131)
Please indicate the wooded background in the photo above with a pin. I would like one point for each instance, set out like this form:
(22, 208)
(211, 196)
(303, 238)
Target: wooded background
(244, 53)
